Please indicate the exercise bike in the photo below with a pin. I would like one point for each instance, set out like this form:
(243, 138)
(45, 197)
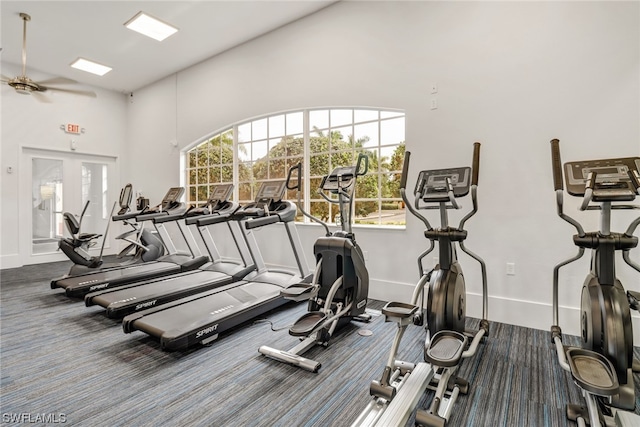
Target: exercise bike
(142, 245)
(603, 368)
(339, 289)
(397, 392)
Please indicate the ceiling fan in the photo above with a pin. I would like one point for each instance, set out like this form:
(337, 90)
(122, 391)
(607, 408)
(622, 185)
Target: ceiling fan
(24, 85)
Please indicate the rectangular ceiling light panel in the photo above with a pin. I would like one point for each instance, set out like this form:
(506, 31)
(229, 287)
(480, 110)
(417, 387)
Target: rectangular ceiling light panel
(90, 66)
(150, 26)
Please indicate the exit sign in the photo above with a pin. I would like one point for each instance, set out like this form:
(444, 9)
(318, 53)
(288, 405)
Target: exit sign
(72, 128)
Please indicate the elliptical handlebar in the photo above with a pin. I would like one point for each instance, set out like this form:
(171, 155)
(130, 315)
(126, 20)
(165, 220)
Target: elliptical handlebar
(362, 156)
(475, 166)
(556, 164)
(298, 185)
(558, 185)
(298, 188)
(403, 192)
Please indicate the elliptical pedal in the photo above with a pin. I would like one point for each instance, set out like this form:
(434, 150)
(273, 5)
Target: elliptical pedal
(445, 349)
(592, 372)
(306, 324)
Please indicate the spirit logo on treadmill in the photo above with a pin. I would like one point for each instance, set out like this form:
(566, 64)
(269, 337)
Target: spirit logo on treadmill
(146, 304)
(206, 331)
(96, 287)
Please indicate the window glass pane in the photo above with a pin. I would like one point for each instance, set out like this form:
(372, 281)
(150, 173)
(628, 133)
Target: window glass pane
(244, 152)
(393, 213)
(276, 126)
(259, 150)
(366, 212)
(203, 175)
(193, 176)
(214, 174)
(366, 135)
(315, 186)
(277, 147)
(192, 193)
(261, 170)
(245, 172)
(203, 157)
(244, 192)
(259, 129)
(203, 193)
(294, 123)
(341, 117)
(318, 119)
(227, 173)
(320, 210)
(319, 165)
(192, 158)
(295, 146)
(344, 158)
(367, 187)
(392, 131)
(244, 132)
(318, 144)
(341, 138)
(277, 169)
(364, 115)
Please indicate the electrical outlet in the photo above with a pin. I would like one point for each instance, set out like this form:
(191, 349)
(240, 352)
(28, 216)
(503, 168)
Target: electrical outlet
(511, 269)
(434, 103)
(434, 88)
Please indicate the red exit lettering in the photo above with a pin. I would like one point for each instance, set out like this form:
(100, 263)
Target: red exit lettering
(71, 128)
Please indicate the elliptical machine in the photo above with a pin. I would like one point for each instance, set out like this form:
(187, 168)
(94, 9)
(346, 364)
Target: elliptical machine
(142, 247)
(339, 289)
(603, 368)
(397, 392)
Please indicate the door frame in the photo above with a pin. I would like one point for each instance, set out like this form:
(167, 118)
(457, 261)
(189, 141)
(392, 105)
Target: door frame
(71, 186)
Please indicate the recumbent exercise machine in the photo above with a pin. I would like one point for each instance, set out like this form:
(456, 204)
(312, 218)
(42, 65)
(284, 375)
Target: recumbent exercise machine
(397, 392)
(339, 289)
(603, 368)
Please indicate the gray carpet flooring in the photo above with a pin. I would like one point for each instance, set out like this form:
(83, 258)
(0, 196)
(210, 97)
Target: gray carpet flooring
(62, 359)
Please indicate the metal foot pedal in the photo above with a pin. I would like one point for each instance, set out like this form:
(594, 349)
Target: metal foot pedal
(298, 292)
(592, 372)
(396, 311)
(307, 323)
(445, 349)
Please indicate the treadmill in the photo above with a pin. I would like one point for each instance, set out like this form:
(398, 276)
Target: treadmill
(138, 296)
(172, 263)
(201, 318)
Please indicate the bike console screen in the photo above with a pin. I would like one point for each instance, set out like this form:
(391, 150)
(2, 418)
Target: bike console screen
(612, 178)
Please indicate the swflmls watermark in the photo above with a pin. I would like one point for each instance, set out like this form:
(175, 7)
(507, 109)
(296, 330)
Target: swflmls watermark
(33, 418)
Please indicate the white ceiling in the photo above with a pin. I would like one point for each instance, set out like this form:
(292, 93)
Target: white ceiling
(61, 31)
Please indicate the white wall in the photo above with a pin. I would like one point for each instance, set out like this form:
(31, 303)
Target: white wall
(26, 122)
(512, 75)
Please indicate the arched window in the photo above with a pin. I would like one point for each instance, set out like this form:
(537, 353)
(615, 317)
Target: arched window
(264, 149)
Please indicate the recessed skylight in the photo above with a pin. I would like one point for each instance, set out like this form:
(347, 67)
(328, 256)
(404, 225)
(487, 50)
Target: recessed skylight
(90, 66)
(150, 26)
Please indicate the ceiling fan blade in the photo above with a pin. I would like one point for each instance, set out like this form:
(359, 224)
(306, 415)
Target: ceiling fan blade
(4, 78)
(41, 97)
(57, 80)
(73, 91)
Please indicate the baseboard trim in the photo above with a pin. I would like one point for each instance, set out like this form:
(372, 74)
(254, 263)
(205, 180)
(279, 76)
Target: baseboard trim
(529, 314)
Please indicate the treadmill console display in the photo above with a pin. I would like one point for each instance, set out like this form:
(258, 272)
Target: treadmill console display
(432, 184)
(171, 198)
(612, 178)
(220, 193)
(273, 190)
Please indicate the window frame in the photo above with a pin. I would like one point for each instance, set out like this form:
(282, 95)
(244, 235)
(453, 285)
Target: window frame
(378, 118)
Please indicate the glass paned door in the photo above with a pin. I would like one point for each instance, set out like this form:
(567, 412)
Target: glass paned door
(47, 204)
